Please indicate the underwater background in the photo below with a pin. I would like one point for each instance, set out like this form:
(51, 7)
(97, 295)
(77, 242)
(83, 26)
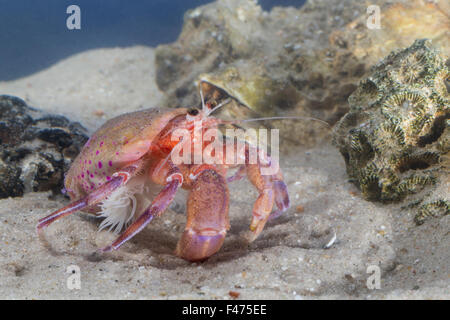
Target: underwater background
(33, 34)
(369, 190)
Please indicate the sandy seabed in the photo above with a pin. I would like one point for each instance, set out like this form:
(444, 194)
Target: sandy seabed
(290, 260)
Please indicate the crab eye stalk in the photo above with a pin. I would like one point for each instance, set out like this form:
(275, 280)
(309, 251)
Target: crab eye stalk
(193, 112)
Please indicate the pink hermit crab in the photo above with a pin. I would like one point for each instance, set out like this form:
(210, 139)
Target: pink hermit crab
(132, 152)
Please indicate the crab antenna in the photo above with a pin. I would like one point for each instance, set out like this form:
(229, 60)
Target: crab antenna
(227, 101)
(203, 100)
(283, 118)
(273, 118)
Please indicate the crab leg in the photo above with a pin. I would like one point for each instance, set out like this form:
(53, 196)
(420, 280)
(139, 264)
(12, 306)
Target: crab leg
(207, 216)
(272, 190)
(281, 199)
(96, 196)
(264, 203)
(238, 175)
(156, 208)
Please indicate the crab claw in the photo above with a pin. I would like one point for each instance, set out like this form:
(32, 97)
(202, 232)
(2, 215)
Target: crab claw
(281, 199)
(207, 217)
(272, 190)
(197, 245)
(261, 212)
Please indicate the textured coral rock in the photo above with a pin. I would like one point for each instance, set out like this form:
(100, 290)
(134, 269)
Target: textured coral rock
(396, 137)
(265, 57)
(401, 23)
(35, 148)
(289, 61)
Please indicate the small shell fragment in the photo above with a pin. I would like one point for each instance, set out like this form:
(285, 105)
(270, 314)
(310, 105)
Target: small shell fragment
(331, 242)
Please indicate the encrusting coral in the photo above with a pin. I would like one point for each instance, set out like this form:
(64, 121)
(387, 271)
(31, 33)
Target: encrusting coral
(396, 135)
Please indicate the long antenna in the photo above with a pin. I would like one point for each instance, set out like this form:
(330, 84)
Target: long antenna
(283, 118)
(227, 101)
(203, 101)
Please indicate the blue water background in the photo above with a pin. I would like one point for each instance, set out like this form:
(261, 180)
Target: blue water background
(33, 34)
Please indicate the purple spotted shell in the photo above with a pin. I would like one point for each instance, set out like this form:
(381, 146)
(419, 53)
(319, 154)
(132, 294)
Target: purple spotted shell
(111, 148)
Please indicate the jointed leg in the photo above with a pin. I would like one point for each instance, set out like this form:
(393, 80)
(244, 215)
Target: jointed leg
(95, 197)
(158, 206)
(281, 196)
(238, 175)
(264, 203)
(174, 180)
(271, 190)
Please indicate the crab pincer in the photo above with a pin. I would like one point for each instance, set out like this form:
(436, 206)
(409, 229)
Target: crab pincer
(207, 217)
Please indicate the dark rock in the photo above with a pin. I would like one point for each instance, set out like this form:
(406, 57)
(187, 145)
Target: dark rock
(36, 148)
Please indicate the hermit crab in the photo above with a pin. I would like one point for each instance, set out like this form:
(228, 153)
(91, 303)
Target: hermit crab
(134, 152)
